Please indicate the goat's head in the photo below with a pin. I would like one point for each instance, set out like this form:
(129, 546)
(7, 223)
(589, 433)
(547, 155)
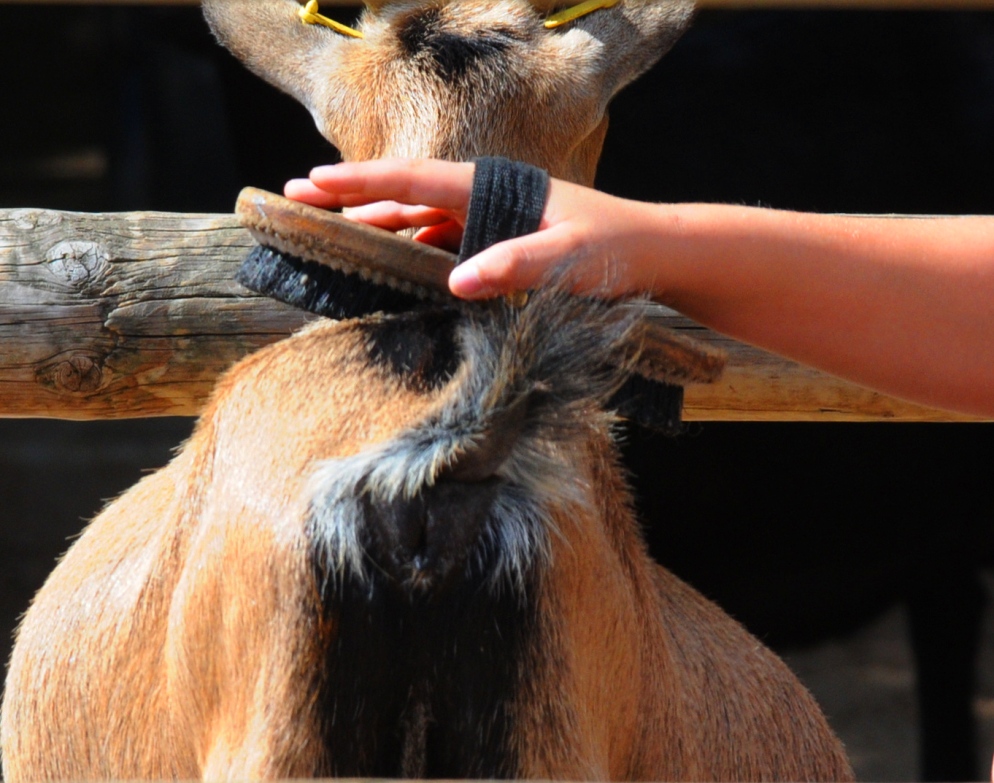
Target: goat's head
(455, 79)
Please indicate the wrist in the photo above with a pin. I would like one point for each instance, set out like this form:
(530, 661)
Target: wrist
(667, 251)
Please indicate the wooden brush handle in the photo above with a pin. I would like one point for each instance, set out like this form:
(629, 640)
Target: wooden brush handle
(328, 238)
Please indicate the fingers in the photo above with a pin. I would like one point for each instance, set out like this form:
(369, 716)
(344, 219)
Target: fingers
(438, 184)
(433, 196)
(306, 191)
(447, 236)
(392, 194)
(397, 217)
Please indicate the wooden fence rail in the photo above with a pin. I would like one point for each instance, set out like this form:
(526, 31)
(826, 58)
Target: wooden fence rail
(136, 314)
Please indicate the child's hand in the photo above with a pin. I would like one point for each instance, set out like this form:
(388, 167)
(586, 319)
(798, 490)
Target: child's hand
(901, 306)
(591, 232)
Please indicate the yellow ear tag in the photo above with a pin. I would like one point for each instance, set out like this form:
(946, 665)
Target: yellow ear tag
(568, 15)
(309, 15)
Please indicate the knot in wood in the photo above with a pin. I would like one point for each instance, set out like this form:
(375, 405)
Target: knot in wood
(77, 374)
(77, 263)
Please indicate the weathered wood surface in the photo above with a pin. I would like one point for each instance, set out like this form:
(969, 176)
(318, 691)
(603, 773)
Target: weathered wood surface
(110, 316)
(136, 314)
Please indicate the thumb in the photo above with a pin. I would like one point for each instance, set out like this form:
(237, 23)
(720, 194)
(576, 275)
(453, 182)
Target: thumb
(513, 265)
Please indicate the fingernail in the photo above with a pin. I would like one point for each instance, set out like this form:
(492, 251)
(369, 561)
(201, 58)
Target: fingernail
(323, 171)
(465, 281)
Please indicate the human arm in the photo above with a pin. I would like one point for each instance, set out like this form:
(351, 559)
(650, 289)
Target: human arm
(900, 305)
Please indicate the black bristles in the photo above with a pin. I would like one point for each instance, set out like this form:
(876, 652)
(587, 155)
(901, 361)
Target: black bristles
(319, 289)
(651, 404)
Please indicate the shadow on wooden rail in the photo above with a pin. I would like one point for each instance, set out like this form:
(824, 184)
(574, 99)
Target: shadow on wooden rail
(128, 315)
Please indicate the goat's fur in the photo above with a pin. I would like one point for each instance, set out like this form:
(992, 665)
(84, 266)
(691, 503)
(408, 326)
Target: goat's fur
(403, 546)
(237, 614)
(455, 79)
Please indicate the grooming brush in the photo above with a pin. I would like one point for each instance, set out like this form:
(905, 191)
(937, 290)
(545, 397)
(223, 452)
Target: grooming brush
(323, 263)
(320, 262)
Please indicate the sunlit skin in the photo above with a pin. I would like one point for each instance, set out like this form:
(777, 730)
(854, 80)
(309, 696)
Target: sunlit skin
(903, 306)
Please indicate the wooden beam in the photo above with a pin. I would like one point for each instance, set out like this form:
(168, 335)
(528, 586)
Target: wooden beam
(136, 314)
(113, 316)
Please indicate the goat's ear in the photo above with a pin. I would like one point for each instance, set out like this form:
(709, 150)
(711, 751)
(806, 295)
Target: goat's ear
(269, 37)
(630, 38)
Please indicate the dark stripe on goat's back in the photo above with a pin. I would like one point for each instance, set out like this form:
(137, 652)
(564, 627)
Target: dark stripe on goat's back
(424, 689)
(419, 347)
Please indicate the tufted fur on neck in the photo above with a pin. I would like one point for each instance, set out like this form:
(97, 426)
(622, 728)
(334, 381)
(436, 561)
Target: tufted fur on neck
(478, 475)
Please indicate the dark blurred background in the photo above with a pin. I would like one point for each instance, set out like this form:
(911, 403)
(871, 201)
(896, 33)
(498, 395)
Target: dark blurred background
(861, 552)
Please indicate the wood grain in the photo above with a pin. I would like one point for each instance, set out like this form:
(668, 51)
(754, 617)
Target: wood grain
(111, 316)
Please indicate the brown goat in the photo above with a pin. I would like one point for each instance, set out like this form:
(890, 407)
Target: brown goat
(403, 546)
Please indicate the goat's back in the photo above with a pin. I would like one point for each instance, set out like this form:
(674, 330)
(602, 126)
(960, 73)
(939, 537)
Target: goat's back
(398, 547)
